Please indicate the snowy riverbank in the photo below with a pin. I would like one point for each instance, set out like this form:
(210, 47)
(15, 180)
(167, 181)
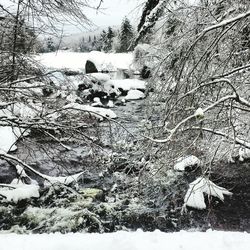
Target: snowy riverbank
(128, 240)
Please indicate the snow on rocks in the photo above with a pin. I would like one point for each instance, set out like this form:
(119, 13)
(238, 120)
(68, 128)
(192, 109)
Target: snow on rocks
(188, 161)
(128, 84)
(134, 94)
(195, 194)
(99, 113)
(244, 154)
(66, 180)
(139, 240)
(199, 113)
(20, 191)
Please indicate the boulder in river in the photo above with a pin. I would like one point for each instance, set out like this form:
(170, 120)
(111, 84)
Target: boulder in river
(90, 67)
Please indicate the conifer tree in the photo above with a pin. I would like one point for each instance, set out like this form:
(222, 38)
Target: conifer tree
(126, 36)
(109, 40)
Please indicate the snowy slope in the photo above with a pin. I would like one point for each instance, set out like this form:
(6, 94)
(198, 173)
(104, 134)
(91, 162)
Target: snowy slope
(211, 240)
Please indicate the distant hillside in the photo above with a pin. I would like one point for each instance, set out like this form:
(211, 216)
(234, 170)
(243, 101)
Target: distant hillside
(71, 40)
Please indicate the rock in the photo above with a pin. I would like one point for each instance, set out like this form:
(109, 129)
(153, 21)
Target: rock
(93, 193)
(145, 72)
(7, 173)
(71, 72)
(90, 67)
(134, 94)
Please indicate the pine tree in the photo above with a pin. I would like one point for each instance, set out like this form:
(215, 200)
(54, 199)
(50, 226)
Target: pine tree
(50, 45)
(103, 40)
(126, 36)
(83, 46)
(109, 40)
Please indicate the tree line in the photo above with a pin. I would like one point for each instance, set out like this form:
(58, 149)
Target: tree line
(109, 40)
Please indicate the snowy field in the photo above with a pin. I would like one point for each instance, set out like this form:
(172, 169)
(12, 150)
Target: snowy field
(211, 240)
(76, 61)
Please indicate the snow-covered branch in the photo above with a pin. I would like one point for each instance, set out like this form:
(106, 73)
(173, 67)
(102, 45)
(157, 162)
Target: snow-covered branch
(182, 122)
(237, 140)
(49, 179)
(225, 22)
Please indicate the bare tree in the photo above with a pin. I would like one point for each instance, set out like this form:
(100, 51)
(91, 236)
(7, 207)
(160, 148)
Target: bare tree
(201, 73)
(25, 103)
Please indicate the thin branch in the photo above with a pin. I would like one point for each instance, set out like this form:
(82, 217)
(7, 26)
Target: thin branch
(235, 139)
(173, 131)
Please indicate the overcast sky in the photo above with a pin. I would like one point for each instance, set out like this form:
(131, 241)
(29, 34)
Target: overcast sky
(111, 12)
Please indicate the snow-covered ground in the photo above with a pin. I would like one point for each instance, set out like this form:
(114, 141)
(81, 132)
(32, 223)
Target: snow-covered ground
(211, 240)
(76, 61)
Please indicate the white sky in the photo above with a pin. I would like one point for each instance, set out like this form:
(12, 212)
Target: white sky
(110, 13)
(113, 11)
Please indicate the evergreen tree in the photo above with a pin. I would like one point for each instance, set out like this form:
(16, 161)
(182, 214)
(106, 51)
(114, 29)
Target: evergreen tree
(83, 45)
(126, 36)
(103, 40)
(50, 45)
(109, 39)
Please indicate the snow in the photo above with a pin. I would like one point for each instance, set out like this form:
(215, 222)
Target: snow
(66, 180)
(20, 191)
(195, 194)
(138, 240)
(9, 135)
(76, 61)
(99, 113)
(23, 110)
(244, 154)
(20, 171)
(199, 113)
(185, 162)
(128, 84)
(100, 76)
(111, 61)
(8, 139)
(134, 94)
